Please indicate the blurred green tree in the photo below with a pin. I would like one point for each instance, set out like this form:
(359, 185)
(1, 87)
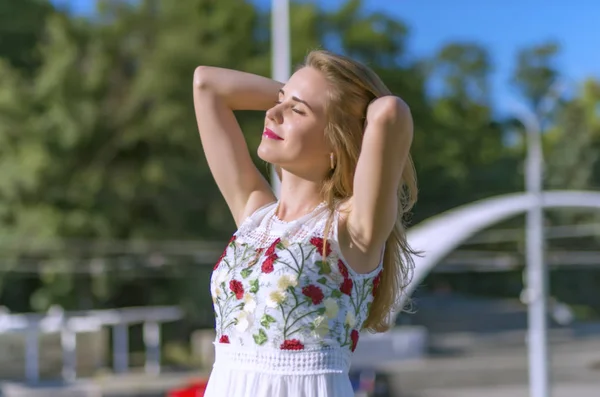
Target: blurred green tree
(463, 153)
(535, 72)
(21, 29)
(574, 141)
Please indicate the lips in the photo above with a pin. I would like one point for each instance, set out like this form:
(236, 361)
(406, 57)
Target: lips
(267, 133)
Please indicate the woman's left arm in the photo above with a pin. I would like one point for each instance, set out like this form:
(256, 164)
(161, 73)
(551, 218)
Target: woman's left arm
(385, 150)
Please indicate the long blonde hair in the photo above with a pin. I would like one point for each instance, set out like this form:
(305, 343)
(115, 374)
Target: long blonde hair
(352, 87)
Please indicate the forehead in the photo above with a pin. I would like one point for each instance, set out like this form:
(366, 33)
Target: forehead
(309, 85)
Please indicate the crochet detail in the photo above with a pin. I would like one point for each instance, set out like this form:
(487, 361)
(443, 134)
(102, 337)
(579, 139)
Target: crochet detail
(277, 362)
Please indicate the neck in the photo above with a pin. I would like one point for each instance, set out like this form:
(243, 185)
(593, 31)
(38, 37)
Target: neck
(298, 196)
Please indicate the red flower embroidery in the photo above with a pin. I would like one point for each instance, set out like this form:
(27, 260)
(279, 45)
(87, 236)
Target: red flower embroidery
(319, 242)
(267, 266)
(224, 339)
(314, 293)
(237, 288)
(343, 268)
(354, 337)
(292, 344)
(346, 286)
(271, 250)
(376, 282)
(231, 240)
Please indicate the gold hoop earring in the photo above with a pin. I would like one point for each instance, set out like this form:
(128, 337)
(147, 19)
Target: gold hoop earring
(331, 161)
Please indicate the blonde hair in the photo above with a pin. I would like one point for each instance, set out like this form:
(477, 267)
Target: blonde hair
(352, 87)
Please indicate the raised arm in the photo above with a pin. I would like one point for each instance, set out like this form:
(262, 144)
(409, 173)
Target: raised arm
(217, 93)
(384, 152)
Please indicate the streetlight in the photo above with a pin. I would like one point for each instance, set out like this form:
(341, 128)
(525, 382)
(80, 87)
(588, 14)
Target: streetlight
(536, 292)
(280, 56)
(536, 280)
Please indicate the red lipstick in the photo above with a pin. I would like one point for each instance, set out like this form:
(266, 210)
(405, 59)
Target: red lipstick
(271, 135)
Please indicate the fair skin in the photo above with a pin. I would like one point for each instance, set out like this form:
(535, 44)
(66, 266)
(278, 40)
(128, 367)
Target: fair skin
(295, 112)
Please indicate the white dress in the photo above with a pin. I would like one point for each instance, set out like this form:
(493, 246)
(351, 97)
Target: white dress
(288, 309)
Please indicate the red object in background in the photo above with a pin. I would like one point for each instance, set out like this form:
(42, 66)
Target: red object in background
(192, 389)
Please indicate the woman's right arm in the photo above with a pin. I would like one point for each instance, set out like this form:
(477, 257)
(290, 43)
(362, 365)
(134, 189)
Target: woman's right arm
(217, 93)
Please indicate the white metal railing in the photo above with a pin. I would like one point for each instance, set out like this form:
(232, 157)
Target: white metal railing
(68, 324)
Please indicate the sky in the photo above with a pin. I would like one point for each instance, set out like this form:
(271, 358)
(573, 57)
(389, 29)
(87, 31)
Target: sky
(503, 26)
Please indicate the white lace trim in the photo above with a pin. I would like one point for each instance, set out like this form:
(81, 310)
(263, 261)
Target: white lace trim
(282, 362)
(262, 228)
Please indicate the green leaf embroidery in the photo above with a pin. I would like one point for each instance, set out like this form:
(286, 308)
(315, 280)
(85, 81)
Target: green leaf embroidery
(280, 246)
(246, 272)
(321, 311)
(266, 321)
(322, 280)
(261, 337)
(324, 267)
(254, 286)
(336, 293)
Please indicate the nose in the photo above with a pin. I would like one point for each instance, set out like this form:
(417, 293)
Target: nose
(274, 114)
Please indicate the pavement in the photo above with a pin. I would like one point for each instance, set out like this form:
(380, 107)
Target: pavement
(560, 390)
(499, 371)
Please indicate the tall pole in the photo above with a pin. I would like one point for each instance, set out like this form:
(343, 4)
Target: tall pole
(536, 271)
(280, 55)
(537, 283)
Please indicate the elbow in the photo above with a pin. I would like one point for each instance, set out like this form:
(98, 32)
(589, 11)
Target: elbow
(395, 122)
(391, 110)
(202, 78)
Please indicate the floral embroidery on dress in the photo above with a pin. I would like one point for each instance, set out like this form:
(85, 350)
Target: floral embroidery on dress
(291, 294)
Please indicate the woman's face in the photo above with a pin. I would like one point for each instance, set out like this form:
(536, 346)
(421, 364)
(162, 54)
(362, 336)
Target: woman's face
(294, 134)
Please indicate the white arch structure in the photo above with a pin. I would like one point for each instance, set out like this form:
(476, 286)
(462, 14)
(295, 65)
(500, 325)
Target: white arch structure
(441, 234)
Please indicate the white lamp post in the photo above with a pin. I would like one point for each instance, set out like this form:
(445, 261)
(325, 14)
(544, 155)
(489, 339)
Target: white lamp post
(280, 55)
(536, 292)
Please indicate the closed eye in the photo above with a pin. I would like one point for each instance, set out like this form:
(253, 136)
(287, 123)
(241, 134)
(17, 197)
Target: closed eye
(297, 100)
(293, 109)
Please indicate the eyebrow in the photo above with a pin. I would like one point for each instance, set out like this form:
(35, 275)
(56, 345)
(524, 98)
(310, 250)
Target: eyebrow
(296, 99)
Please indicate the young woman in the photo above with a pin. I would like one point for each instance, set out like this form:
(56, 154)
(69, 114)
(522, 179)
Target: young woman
(303, 275)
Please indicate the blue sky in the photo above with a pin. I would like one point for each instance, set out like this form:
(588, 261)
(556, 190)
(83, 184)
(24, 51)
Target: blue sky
(503, 26)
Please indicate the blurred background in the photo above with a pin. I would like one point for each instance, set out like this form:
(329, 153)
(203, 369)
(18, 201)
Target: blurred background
(110, 222)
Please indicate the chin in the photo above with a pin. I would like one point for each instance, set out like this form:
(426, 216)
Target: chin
(267, 154)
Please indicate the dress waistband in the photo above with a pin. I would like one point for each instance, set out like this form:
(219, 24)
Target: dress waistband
(282, 362)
